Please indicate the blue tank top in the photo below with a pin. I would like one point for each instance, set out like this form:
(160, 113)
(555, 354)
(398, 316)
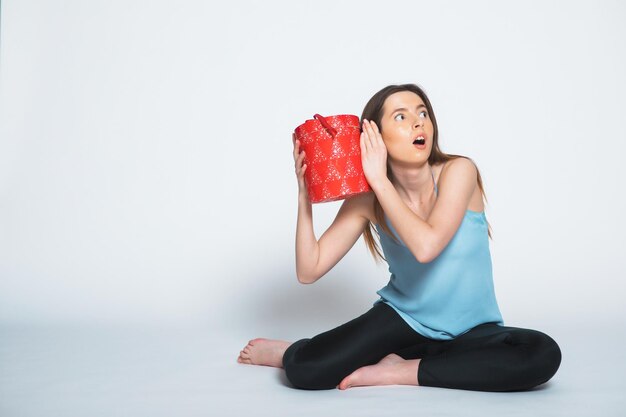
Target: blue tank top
(448, 296)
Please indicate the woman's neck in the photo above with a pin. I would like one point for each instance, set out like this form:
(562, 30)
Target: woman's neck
(414, 184)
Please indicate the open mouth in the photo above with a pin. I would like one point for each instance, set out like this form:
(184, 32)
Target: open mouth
(419, 141)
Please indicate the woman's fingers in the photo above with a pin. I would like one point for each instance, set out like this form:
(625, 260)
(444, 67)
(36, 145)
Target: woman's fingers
(372, 138)
(373, 152)
(373, 133)
(365, 143)
(366, 135)
(300, 166)
(300, 159)
(376, 131)
(362, 144)
(299, 156)
(296, 147)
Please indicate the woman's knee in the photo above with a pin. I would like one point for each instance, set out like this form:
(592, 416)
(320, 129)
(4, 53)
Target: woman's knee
(307, 376)
(543, 358)
(550, 355)
(307, 373)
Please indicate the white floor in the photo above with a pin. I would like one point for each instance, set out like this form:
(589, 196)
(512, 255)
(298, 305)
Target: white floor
(107, 371)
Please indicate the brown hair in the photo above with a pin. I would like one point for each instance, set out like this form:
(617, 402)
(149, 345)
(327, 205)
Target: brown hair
(374, 111)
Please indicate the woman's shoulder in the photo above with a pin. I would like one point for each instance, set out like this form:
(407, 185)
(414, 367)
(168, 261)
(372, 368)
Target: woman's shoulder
(361, 205)
(457, 168)
(459, 176)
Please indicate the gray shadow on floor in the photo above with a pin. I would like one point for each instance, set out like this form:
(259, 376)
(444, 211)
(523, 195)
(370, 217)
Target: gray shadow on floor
(286, 304)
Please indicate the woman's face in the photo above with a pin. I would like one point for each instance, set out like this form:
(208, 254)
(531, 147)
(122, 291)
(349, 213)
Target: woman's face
(406, 128)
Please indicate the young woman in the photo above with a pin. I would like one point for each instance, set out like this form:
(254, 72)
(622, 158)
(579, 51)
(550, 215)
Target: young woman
(437, 322)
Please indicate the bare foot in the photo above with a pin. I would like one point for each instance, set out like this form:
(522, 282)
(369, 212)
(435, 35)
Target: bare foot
(264, 352)
(391, 370)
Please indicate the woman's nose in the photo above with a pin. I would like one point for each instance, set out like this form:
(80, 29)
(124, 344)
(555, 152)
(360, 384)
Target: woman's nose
(419, 122)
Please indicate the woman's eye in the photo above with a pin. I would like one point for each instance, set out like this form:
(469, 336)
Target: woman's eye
(399, 117)
(423, 114)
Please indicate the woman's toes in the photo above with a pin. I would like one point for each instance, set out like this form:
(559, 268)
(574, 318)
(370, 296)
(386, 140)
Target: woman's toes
(344, 385)
(346, 382)
(264, 352)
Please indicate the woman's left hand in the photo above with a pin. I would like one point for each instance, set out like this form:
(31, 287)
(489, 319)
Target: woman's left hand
(373, 153)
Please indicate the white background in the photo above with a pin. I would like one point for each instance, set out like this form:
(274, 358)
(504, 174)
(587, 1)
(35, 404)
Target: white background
(146, 173)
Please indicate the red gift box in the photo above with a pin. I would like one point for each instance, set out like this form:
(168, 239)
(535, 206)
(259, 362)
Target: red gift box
(333, 157)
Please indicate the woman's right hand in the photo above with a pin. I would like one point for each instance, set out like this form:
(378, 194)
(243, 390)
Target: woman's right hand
(315, 258)
(298, 157)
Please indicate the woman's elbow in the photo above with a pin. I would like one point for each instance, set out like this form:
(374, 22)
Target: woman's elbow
(425, 255)
(424, 259)
(306, 279)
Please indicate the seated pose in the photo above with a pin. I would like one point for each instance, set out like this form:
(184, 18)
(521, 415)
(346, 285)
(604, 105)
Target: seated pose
(437, 322)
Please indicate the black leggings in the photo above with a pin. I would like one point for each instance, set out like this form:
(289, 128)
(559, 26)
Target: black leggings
(487, 358)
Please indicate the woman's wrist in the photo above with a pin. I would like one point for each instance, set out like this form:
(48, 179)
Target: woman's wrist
(379, 184)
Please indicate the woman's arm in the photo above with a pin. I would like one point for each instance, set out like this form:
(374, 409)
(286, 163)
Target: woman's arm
(315, 258)
(424, 238)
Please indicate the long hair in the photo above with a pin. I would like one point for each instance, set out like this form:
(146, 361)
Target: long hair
(373, 111)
